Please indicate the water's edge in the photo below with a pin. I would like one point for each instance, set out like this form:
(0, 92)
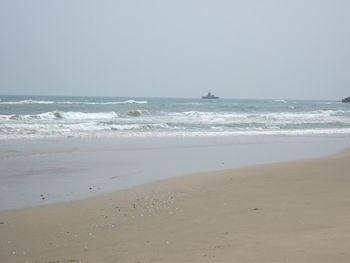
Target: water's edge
(37, 172)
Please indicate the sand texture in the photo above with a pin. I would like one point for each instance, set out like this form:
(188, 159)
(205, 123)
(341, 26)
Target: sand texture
(289, 212)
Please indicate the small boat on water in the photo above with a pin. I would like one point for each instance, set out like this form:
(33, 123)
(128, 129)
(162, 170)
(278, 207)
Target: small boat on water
(209, 96)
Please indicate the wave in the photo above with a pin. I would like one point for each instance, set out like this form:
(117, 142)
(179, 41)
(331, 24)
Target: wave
(199, 117)
(57, 115)
(184, 123)
(89, 131)
(29, 101)
(135, 113)
(108, 103)
(88, 116)
(138, 127)
(327, 116)
(134, 101)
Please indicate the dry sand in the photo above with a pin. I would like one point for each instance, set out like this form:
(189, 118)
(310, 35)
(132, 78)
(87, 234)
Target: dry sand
(288, 212)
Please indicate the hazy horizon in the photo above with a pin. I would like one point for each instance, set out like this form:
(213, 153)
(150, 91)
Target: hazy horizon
(165, 97)
(183, 49)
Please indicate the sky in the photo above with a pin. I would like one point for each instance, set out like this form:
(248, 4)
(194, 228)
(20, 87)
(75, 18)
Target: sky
(297, 49)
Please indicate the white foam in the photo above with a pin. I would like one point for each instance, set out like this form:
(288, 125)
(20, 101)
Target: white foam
(189, 123)
(89, 116)
(106, 103)
(130, 132)
(56, 115)
(29, 101)
(326, 116)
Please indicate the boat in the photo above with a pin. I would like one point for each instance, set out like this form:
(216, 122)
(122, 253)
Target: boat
(209, 96)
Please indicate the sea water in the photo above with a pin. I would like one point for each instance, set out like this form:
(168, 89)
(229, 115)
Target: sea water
(52, 116)
(153, 139)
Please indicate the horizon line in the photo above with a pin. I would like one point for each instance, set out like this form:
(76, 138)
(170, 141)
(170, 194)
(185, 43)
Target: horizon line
(165, 97)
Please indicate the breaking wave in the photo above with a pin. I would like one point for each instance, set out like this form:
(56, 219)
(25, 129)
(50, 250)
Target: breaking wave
(72, 102)
(135, 113)
(167, 117)
(56, 115)
(27, 102)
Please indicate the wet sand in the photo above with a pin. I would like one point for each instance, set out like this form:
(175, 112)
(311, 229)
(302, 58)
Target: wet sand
(297, 211)
(72, 169)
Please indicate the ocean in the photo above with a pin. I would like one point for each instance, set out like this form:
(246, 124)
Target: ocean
(153, 139)
(30, 117)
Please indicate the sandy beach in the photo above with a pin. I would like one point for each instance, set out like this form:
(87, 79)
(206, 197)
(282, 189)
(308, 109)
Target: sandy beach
(74, 169)
(174, 131)
(295, 211)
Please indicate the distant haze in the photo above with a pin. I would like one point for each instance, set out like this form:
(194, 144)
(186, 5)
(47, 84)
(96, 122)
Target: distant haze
(239, 49)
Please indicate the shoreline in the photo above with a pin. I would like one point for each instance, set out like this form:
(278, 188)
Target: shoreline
(165, 181)
(44, 172)
(295, 211)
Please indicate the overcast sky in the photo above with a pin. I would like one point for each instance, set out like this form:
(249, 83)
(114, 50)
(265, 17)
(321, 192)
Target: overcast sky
(180, 48)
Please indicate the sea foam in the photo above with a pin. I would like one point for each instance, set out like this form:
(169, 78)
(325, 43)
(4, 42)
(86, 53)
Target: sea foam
(100, 117)
(29, 101)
